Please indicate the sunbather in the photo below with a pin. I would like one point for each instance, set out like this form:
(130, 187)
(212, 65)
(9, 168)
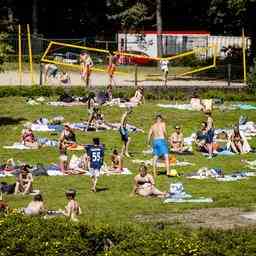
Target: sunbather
(144, 184)
(236, 141)
(72, 210)
(28, 138)
(116, 162)
(138, 98)
(177, 140)
(24, 181)
(36, 207)
(203, 139)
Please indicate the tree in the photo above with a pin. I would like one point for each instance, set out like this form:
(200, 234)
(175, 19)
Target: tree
(159, 25)
(232, 15)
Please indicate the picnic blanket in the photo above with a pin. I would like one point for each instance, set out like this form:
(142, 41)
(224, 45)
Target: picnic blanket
(66, 104)
(120, 103)
(44, 142)
(218, 174)
(161, 164)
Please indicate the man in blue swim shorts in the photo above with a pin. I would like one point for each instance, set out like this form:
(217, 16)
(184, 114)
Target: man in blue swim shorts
(158, 135)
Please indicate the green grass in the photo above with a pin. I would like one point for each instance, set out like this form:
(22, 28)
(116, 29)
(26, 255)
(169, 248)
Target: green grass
(114, 205)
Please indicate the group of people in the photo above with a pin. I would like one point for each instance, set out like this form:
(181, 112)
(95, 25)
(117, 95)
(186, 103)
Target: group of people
(53, 73)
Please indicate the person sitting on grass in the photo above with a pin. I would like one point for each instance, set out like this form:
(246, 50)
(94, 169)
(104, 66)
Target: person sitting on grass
(3, 204)
(237, 142)
(116, 162)
(177, 140)
(138, 98)
(144, 184)
(67, 137)
(28, 138)
(36, 206)
(24, 181)
(72, 210)
(202, 140)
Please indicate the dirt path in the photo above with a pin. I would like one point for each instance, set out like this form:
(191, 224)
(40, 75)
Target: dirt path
(215, 218)
(101, 79)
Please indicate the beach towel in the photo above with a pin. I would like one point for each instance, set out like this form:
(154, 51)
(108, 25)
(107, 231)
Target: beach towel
(188, 200)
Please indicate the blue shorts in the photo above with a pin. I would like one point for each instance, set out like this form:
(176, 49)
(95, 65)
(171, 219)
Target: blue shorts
(160, 147)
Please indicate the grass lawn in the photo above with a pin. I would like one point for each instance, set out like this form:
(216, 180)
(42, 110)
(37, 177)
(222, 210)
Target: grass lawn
(113, 204)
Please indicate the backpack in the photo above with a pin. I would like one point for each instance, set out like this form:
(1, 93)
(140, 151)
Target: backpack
(7, 188)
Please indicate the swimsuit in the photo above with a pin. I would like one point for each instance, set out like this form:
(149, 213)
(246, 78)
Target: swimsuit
(160, 147)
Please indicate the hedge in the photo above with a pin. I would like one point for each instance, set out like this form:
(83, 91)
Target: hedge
(22, 235)
(151, 93)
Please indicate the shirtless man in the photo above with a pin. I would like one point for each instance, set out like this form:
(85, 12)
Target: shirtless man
(160, 147)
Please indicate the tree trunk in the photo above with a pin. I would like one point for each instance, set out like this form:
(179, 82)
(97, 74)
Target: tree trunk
(10, 20)
(159, 26)
(34, 17)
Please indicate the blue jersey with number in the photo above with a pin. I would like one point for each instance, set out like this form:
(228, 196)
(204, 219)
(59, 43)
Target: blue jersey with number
(96, 155)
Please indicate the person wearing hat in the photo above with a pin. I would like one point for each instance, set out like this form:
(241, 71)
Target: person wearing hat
(158, 135)
(176, 140)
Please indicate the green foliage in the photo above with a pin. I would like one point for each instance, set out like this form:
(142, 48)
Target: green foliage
(35, 236)
(252, 79)
(5, 49)
(151, 93)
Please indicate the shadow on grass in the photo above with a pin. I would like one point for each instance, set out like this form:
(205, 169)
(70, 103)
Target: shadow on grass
(102, 189)
(6, 120)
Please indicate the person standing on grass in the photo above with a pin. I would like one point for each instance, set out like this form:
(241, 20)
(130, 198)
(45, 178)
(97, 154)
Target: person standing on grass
(210, 133)
(159, 143)
(95, 155)
(125, 134)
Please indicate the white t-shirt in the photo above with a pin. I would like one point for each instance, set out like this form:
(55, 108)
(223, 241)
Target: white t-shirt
(164, 65)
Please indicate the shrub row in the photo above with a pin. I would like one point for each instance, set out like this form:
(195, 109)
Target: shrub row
(36, 236)
(151, 93)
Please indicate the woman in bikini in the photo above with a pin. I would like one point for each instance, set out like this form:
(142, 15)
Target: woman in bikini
(116, 162)
(236, 141)
(144, 184)
(28, 138)
(177, 140)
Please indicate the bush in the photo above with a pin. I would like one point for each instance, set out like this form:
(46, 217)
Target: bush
(151, 93)
(22, 235)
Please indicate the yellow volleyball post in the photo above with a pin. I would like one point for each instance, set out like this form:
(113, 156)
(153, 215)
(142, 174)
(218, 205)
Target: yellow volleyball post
(19, 50)
(30, 55)
(244, 56)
